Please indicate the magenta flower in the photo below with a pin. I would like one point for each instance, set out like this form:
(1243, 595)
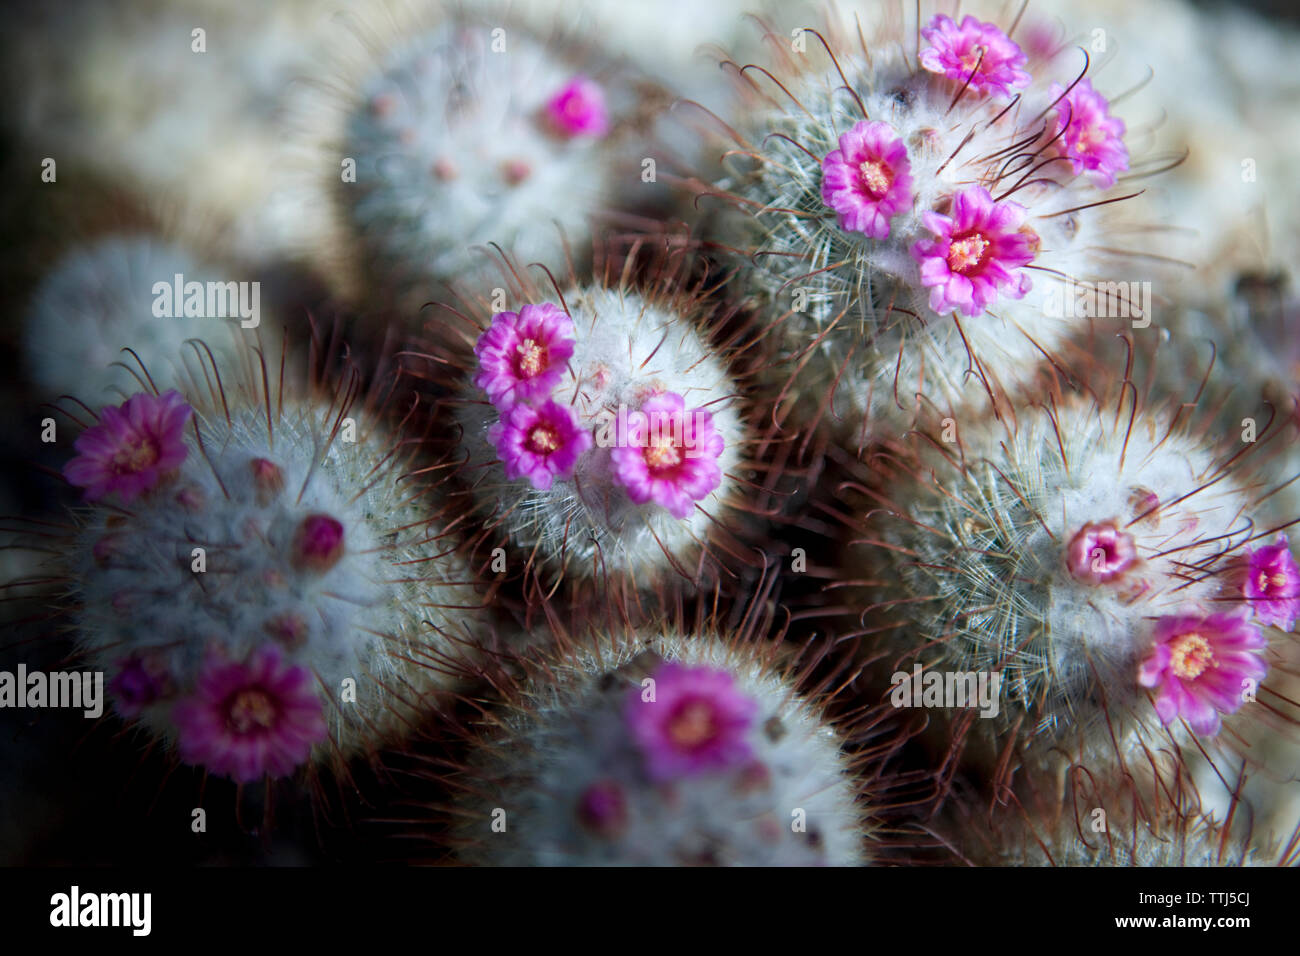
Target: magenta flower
(669, 456)
(868, 179)
(1093, 139)
(1272, 585)
(539, 443)
(602, 808)
(132, 447)
(1100, 552)
(317, 543)
(1201, 667)
(974, 51)
(521, 356)
(697, 722)
(138, 683)
(578, 109)
(977, 254)
(246, 720)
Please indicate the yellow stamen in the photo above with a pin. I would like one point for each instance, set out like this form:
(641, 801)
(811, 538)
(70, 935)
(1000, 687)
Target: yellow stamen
(965, 254)
(251, 710)
(543, 439)
(1190, 655)
(692, 725)
(532, 357)
(875, 176)
(662, 455)
(135, 457)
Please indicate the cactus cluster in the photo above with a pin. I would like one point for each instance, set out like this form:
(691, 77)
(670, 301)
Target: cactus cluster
(837, 457)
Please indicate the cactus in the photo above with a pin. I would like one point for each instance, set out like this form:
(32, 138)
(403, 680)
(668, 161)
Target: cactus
(659, 749)
(258, 574)
(628, 387)
(98, 299)
(895, 207)
(466, 130)
(1106, 822)
(1100, 556)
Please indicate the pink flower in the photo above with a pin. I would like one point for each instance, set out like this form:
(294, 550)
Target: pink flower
(956, 53)
(1201, 667)
(1272, 584)
(1093, 139)
(139, 682)
(317, 543)
(521, 356)
(132, 447)
(868, 179)
(669, 456)
(602, 808)
(578, 109)
(539, 443)
(698, 721)
(246, 720)
(1100, 552)
(977, 254)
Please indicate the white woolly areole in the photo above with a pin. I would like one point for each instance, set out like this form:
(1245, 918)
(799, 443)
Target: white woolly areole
(570, 732)
(626, 349)
(373, 617)
(992, 569)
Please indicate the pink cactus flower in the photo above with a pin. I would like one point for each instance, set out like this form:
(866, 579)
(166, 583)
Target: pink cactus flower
(868, 179)
(578, 109)
(1092, 138)
(521, 356)
(670, 456)
(250, 719)
(1099, 553)
(698, 722)
(317, 543)
(977, 253)
(1272, 584)
(1201, 667)
(602, 808)
(132, 448)
(974, 51)
(539, 443)
(138, 683)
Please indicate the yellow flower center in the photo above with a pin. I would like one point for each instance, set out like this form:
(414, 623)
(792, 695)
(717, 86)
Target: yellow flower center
(1267, 582)
(1190, 655)
(532, 357)
(662, 454)
(875, 176)
(251, 710)
(135, 457)
(543, 439)
(692, 725)
(972, 57)
(965, 254)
